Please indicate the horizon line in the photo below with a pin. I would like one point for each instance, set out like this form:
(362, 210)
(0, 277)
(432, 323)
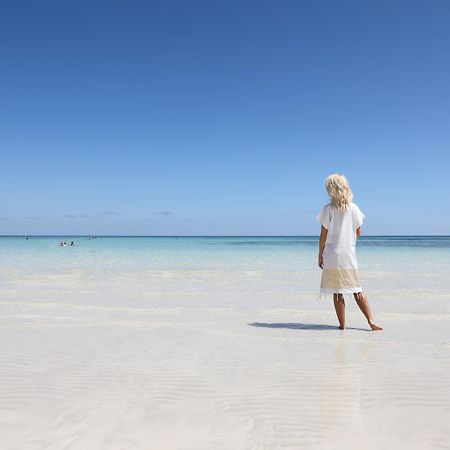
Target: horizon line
(211, 235)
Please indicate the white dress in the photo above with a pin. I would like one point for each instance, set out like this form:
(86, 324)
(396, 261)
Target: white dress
(340, 268)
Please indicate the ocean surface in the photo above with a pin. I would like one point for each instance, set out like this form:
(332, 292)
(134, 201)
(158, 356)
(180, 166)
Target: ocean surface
(199, 251)
(231, 269)
(288, 253)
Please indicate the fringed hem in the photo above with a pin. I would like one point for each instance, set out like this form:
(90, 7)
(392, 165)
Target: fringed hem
(325, 293)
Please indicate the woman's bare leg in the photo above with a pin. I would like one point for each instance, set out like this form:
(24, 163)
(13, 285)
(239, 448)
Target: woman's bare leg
(339, 306)
(364, 306)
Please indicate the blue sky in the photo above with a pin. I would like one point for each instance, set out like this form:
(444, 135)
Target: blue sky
(222, 117)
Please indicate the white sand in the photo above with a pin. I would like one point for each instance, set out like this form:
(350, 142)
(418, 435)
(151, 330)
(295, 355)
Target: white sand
(196, 361)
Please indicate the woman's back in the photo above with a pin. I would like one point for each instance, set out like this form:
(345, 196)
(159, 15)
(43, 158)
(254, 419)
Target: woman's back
(341, 224)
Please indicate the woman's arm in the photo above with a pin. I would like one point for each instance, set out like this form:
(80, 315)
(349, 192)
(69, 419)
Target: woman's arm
(323, 239)
(358, 232)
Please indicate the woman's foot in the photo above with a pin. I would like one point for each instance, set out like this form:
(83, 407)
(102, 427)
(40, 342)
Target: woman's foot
(374, 326)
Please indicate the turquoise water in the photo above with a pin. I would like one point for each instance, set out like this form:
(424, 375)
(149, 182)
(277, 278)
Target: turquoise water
(226, 270)
(404, 253)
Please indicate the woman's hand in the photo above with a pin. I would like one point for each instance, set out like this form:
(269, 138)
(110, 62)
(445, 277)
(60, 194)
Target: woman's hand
(322, 241)
(320, 261)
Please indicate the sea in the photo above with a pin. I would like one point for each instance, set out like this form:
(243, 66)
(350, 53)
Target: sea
(239, 271)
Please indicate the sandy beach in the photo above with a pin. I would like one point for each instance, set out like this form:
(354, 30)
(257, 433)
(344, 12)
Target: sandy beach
(230, 353)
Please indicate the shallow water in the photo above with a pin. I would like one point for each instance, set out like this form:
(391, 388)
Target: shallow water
(275, 267)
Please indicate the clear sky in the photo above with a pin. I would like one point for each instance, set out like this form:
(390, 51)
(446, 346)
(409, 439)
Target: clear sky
(222, 117)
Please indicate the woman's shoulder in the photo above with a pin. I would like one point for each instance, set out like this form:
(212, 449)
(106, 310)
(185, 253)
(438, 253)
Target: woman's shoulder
(325, 215)
(327, 208)
(358, 215)
(354, 206)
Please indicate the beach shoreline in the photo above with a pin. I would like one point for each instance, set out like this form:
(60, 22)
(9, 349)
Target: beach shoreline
(182, 350)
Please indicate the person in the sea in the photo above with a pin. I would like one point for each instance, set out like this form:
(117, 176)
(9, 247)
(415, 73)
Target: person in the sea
(341, 221)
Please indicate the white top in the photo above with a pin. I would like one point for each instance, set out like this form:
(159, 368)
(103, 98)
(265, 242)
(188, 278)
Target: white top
(341, 225)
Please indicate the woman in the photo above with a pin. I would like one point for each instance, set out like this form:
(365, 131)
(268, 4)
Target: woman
(341, 222)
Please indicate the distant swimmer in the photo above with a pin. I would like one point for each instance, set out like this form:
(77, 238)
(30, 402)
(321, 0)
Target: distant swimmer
(72, 243)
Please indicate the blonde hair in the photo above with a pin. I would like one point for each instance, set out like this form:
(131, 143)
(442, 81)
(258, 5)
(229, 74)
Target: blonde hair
(339, 191)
